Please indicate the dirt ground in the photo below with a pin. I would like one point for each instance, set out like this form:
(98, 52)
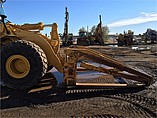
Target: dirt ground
(46, 100)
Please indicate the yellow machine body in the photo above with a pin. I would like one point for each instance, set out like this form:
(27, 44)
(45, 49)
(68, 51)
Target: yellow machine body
(27, 54)
(66, 65)
(49, 46)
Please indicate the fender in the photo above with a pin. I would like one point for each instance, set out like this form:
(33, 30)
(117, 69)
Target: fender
(43, 43)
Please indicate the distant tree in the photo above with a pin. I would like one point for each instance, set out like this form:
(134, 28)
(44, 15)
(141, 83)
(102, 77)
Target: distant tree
(82, 32)
(105, 31)
(82, 29)
(92, 31)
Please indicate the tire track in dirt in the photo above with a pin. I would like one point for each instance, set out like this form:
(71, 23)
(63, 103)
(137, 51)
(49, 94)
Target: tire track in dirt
(88, 103)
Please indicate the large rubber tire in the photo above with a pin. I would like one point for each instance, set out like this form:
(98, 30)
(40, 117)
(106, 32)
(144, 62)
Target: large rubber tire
(37, 63)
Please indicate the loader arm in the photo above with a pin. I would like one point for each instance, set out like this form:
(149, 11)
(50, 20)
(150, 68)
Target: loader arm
(116, 69)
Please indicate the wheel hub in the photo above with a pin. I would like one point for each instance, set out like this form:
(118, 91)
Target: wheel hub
(17, 66)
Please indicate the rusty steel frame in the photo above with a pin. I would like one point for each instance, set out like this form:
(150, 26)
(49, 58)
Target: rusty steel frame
(117, 68)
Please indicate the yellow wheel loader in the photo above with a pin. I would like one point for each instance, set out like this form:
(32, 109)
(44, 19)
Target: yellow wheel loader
(27, 55)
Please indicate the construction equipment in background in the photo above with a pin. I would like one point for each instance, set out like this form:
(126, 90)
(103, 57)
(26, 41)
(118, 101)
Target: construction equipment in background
(83, 38)
(86, 39)
(125, 39)
(67, 38)
(98, 33)
(150, 35)
(27, 55)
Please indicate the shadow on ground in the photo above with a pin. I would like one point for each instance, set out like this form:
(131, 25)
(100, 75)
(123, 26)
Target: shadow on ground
(47, 92)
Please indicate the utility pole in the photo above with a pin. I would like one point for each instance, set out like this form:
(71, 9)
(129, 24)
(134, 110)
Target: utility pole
(100, 20)
(99, 33)
(87, 31)
(65, 34)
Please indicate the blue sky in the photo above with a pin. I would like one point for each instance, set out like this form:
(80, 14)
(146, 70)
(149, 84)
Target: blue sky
(118, 15)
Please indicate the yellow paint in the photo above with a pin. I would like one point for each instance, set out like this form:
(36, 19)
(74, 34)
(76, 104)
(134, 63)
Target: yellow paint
(43, 42)
(17, 66)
